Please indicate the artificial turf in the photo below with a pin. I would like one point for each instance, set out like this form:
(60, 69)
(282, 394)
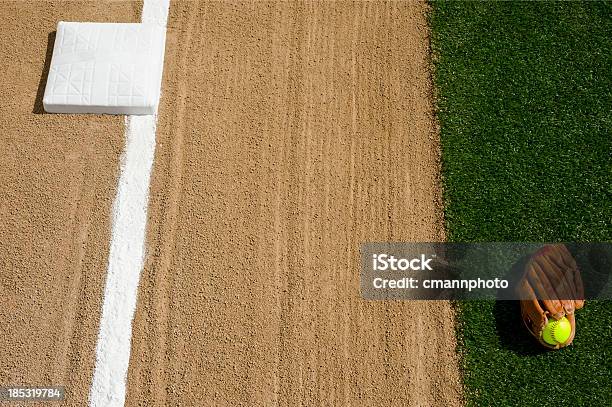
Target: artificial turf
(524, 98)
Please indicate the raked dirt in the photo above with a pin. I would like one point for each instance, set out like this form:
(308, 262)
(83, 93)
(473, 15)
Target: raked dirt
(58, 176)
(289, 134)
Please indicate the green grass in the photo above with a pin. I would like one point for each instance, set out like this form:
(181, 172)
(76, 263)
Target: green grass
(524, 96)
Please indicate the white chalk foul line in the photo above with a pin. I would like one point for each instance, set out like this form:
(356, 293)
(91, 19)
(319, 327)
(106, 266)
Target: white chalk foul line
(127, 244)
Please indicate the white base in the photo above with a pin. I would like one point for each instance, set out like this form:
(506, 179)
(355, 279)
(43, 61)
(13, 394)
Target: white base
(105, 68)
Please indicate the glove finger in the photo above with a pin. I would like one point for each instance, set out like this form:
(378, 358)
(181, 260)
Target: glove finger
(558, 281)
(563, 258)
(578, 286)
(579, 301)
(544, 291)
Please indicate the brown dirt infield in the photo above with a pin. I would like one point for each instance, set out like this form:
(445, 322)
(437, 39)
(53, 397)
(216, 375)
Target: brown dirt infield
(289, 133)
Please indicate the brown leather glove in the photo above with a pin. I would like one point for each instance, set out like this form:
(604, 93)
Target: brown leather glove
(551, 287)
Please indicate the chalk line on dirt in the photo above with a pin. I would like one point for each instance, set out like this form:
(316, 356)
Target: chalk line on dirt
(126, 255)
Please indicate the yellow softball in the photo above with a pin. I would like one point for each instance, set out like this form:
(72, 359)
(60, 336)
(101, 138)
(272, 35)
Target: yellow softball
(556, 332)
